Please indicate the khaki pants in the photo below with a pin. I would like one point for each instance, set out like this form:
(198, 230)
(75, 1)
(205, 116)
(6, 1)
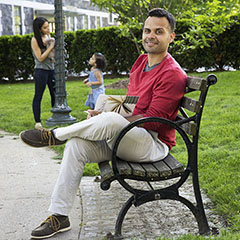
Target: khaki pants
(91, 141)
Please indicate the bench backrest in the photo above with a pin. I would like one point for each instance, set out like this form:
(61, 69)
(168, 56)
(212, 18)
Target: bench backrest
(192, 105)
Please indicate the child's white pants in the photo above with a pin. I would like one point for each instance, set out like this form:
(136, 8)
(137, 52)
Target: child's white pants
(91, 141)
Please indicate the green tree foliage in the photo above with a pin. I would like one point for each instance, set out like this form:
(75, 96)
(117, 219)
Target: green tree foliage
(204, 19)
(132, 13)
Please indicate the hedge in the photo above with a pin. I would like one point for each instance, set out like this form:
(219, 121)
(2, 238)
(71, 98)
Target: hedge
(16, 61)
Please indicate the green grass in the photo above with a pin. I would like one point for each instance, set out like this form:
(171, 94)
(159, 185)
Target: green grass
(219, 141)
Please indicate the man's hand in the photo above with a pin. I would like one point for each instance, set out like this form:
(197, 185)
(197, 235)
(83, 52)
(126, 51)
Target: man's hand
(92, 113)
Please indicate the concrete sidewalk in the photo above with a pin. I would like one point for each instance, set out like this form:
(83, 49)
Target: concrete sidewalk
(27, 178)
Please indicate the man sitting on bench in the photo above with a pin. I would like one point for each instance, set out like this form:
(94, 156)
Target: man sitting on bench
(159, 82)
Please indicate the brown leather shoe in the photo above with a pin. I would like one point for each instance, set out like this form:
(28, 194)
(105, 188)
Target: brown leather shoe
(40, 138)
(51, 226)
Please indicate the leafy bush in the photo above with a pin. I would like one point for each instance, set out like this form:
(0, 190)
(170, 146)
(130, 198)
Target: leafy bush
(16, 61)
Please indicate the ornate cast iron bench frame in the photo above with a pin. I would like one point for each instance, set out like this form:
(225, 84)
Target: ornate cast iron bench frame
(168, 168)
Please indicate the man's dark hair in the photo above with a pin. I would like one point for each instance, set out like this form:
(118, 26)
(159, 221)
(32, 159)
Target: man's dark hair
(160, 12)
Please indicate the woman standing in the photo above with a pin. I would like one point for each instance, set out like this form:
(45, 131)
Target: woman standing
(44, 73)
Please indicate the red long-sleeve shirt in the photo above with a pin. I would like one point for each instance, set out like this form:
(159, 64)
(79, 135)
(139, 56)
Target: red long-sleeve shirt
(160, 91)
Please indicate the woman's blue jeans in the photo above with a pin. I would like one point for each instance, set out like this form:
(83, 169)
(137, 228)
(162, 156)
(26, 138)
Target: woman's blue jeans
(42, 78)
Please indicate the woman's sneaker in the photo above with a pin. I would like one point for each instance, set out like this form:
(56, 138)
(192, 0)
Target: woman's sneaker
(51, 226)
(40, 138)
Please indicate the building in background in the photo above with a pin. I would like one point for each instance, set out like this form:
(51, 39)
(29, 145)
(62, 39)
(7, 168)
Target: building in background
(16, 16)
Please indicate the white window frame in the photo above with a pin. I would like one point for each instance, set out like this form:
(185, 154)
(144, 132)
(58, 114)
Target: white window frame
(100, 21)
(23, 29)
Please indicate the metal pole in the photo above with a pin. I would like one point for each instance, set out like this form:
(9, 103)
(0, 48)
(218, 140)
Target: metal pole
(60, 109)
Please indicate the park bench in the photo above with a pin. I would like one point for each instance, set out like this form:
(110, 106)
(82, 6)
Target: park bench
(187, 125)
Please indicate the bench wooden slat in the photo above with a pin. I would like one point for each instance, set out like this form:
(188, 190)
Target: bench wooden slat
(190, 127)
(159, 170)
(123, 167)
(191, 104)
(151, 171)
(175, 165)
(196, 83)
(163, 169)
(137, 169)
(106, 170)
(131, 99)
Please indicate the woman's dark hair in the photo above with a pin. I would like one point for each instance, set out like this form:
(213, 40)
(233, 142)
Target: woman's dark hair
(37, 24)
(101, 61)
(160, 12)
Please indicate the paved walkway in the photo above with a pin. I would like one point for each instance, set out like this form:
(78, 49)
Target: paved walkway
(27, 178)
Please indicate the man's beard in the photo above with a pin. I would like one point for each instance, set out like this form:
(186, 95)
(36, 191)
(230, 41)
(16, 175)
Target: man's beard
(153, 50)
